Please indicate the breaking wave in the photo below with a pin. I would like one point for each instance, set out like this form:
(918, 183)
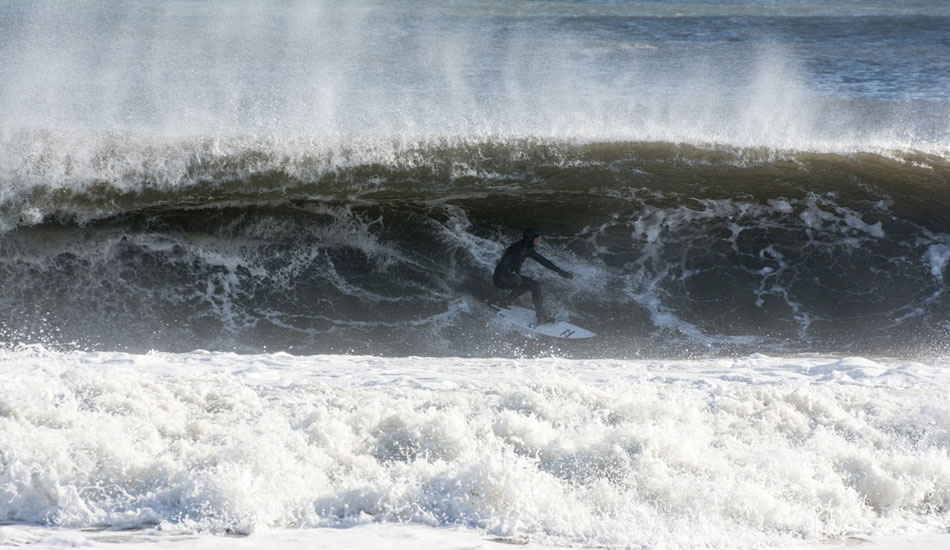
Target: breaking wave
(386, 246)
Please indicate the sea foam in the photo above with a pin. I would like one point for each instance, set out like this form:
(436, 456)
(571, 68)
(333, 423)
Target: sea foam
(749, 452)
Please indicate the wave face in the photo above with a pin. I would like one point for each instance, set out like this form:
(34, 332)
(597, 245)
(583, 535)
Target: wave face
(674, 248)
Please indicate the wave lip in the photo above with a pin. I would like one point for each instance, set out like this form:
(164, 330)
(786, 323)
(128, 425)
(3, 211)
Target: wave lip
(84, 176)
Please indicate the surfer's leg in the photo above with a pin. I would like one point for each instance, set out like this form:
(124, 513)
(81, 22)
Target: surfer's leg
(527, 283)
(535, 289)
(514, 284)
(512, 296)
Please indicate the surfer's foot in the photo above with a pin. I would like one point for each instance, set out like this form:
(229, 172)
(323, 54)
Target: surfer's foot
(544, 319)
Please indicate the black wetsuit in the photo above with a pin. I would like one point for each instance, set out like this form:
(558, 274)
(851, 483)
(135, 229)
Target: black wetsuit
(508, 275)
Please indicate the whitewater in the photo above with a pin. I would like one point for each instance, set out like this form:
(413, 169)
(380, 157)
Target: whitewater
(748, 452)
(245, 260)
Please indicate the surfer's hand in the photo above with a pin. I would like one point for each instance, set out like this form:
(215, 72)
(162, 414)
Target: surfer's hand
(565, 274)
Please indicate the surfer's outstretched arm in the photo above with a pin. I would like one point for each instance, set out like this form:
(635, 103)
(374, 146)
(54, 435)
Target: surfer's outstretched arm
(549, 264)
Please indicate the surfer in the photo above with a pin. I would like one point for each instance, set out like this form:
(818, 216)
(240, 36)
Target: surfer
(507, 275)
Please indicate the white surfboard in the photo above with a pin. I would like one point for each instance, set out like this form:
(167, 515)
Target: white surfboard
(526, 319)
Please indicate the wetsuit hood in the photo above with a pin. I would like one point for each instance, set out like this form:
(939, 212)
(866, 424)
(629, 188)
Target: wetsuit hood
(529, 235)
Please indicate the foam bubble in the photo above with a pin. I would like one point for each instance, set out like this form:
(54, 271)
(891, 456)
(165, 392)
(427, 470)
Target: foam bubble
(938, 255)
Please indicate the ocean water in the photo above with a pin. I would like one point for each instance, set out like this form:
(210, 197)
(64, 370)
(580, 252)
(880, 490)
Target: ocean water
(245, 258)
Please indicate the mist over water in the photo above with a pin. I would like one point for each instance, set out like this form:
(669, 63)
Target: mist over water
(410, 70)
